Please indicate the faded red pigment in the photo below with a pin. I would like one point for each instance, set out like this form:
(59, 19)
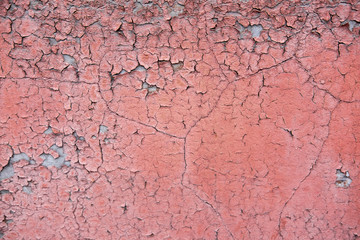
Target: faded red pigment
(179, 119)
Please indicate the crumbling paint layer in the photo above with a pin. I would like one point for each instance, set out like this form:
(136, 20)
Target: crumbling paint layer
(179, 119)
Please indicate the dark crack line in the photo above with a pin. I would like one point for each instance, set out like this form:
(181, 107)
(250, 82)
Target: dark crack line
(313, 165)
(217, 213)
(144, 124)
(194, 125)
(213, 209)
(274, 66)
(185, 163)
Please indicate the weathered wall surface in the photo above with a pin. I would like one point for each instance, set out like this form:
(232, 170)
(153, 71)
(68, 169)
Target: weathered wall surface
(179, 119)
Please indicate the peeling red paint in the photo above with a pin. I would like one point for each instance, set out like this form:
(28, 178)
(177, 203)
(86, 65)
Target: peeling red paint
(179, 119)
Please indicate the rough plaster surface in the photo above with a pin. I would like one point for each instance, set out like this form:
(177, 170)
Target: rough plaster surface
(179, 119)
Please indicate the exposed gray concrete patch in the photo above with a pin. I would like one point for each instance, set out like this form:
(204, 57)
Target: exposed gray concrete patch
(50, 161)
(343, 180)
(152, 89)
(70, 60)
(176, 10)
(48, 131)
(140, 68)
(7, 172)
(149, 88)
(177, 66)
(59, 150)
(2, 192)
(352, 24)
(7, 221)
(139, 6)
(52, 41)
(145, 85)
(27, 189)
(255, 30)
(77, 137)
(103, 129)
(18, 157)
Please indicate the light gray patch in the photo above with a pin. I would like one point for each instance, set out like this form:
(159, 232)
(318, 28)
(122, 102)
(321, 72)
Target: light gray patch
(3, 192)
(138, 6)
(103, 129)
(123, 71)
(177, 66)
(48, 131)
(7, 221)
(149, 88)
(352, 24)
(18, 157)
(50, 161)
(7, 172)
(70, 60)
(255, 30)
(52, 41)
(176, 10)
(32, 162)
(343, 180)
(145, 85)
(77, 137)
(27, 189)
(152, 89)
(93, 137)
(140, 68)
(59, 150)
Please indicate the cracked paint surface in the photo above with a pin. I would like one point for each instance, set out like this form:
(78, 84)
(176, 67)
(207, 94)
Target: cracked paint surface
(179, 119)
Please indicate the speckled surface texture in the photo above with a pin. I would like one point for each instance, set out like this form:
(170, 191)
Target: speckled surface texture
(179, 119)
